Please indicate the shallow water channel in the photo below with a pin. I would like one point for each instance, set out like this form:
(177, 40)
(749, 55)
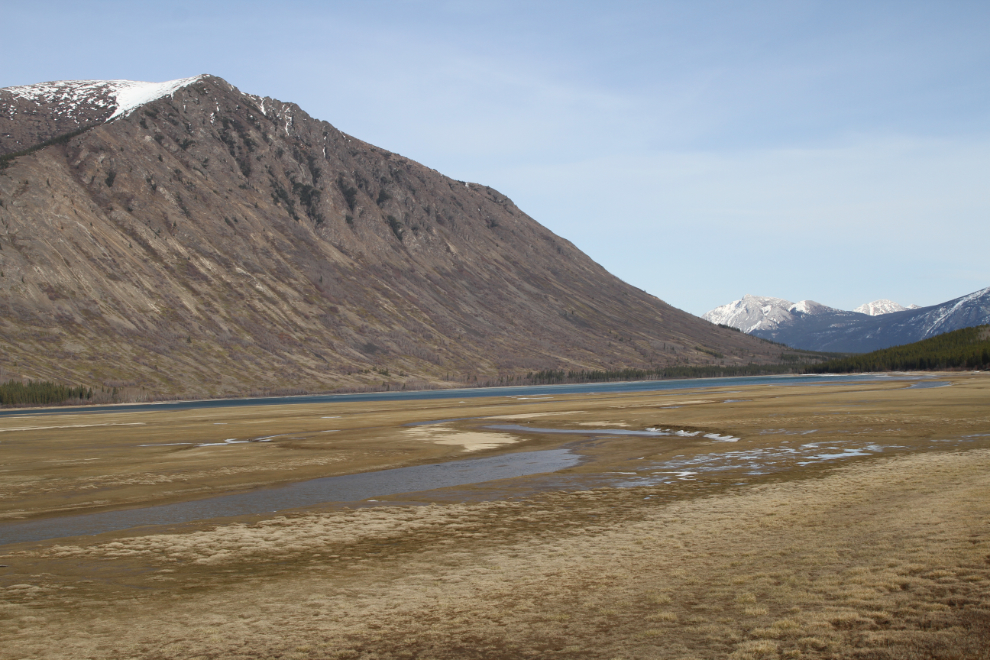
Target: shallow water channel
(345, 488)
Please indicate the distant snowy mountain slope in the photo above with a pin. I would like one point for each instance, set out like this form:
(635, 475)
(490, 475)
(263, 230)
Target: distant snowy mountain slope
(860, 333)
(764, 313)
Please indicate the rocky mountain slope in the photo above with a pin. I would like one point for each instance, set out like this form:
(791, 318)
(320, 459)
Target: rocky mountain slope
(815, 327)
(198, 241)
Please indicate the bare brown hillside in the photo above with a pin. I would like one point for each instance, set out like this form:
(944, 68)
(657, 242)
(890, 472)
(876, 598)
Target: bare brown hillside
(213, 243)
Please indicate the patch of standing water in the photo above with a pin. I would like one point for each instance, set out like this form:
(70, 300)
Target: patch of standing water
(751, 461)
(651, 432)
(846, 452)
(345, 488)
(518, 428)
(227, 442)
(433, 422)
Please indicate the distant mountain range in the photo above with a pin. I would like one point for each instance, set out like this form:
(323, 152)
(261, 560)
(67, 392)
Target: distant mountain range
(880, 324)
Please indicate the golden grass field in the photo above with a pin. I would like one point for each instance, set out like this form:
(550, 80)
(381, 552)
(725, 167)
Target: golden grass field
(875, 543)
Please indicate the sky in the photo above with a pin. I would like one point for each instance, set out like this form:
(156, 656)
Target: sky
(700, 150)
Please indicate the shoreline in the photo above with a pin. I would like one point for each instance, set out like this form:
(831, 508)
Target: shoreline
(405, 395)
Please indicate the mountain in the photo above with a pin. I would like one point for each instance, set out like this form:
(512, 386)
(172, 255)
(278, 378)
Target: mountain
(829, 329)
(754, 313)
(187, 239)
(882, 306)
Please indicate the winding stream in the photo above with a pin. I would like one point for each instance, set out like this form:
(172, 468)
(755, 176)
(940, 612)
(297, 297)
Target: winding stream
(345, 488)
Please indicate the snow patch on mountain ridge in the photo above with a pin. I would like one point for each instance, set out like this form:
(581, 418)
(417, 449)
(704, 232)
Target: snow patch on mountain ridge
(135, 94)
(810, 307)
(882, 306)
(123, 95)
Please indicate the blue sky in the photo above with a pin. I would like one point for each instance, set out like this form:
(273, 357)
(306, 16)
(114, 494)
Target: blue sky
(837, 151)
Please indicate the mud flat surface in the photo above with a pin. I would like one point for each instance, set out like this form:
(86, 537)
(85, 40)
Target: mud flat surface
(847, 520)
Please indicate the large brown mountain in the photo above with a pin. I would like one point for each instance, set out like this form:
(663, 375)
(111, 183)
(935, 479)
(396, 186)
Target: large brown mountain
(194, 240)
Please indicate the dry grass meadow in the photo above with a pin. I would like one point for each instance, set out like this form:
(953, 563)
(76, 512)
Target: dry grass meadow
(847, 521)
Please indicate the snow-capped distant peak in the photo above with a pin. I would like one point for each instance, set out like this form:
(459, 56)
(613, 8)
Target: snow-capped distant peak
(810, 325)
(882, 306)
(121, 95)
(751, 313)
(810, 307)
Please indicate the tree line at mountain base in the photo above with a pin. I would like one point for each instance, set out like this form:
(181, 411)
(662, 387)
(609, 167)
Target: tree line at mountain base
(968, 348)
(16, 393)
(559, 376)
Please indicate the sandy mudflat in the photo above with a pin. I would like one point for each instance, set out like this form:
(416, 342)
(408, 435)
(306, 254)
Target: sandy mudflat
(846, 521)
(442, 434)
